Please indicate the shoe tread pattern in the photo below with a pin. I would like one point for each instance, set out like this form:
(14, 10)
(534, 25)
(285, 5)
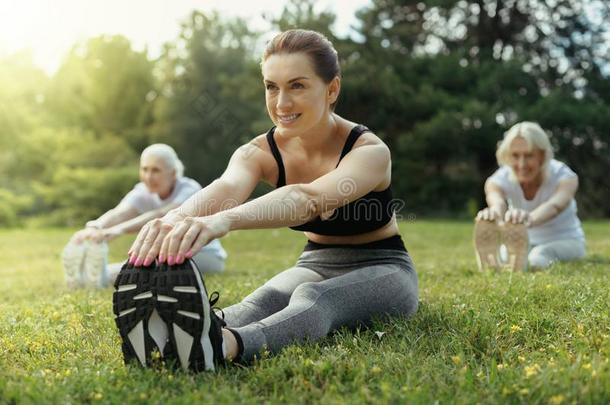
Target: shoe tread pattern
(160, 281)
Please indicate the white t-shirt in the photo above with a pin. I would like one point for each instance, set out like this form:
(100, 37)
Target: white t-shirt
(143, 201)
(566, 225)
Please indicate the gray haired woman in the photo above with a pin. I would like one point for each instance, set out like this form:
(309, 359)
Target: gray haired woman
(531, 206)
(162, 187)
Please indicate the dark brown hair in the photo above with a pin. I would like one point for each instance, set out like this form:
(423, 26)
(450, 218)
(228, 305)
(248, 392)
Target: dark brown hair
(316, 46)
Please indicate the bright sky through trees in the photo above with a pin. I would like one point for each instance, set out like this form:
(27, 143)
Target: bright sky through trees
(50, 28)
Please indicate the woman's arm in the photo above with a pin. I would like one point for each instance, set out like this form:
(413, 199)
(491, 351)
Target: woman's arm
(361, 171)
(101, 228)
(238, 181)
(496, 203)
(244, 171)
(116, 215)
(558, 202)
(135, 224)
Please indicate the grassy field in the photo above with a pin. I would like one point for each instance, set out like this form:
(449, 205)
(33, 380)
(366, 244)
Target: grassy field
(490, 338)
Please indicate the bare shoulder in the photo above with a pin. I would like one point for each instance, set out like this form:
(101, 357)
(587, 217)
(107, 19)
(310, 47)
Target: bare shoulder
(367, 138)
(258, 151)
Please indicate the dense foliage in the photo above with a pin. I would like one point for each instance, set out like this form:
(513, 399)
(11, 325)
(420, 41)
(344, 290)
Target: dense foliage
(439, 81)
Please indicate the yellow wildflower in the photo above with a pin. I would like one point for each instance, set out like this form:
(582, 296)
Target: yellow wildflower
(532, 370)
(457, 360)
(556, 400)
(515, 328)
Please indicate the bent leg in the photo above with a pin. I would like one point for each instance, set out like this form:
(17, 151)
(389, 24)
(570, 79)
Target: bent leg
(316, 308)
(270, 298)
(542, 256)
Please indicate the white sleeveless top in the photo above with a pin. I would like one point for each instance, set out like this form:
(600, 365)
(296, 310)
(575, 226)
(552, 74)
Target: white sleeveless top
(566, 225)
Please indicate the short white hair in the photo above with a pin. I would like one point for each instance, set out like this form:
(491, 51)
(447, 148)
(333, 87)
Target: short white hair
(168, 154)
(534, 136)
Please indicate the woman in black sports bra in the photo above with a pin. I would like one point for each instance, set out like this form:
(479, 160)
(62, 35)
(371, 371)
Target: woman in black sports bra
(332, 179)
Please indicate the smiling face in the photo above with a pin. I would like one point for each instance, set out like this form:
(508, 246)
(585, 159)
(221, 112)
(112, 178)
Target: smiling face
(525, 161)
(297, 98)
(156, 174)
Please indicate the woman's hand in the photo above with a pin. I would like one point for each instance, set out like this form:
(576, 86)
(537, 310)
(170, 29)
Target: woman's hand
(94, 235)
(518, 216)
(489, 214)
(175, 243)
(83, 235)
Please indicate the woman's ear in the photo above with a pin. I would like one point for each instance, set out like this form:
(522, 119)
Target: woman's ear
(334, 87)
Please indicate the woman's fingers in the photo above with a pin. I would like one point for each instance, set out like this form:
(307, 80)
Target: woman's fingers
(483, 214)
(134, 250)
(487, 214)
(147, 244)
(516, 216)
(186, 245)
(202, 240)
(175, 239)
(155, 247)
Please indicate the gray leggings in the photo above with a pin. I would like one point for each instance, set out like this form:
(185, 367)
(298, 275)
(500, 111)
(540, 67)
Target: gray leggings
(326, 289)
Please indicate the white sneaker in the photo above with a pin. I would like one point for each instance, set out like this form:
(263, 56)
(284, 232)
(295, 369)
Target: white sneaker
(95, 271)
(73, 259)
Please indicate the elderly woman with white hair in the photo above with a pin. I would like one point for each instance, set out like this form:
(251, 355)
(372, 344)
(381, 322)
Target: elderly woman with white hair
(162, 187)
(531, 218)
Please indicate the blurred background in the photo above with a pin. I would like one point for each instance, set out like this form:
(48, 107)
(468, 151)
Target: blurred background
(85, 86)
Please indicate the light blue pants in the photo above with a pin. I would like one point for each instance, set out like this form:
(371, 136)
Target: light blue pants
(545, 254)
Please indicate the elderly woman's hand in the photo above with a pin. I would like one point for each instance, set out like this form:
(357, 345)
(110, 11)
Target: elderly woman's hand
(175, 243)
(518, 216)
(489, 214)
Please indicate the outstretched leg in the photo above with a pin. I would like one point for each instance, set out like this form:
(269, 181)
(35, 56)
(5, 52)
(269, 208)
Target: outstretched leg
(270, 298)
(316, 308)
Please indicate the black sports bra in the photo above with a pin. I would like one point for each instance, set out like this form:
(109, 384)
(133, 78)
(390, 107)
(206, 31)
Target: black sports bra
(368, 213)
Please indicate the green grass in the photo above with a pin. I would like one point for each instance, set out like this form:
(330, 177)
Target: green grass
(491, 338)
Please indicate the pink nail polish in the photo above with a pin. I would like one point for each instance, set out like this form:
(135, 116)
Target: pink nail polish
(161, 259)
(189, 254)
(170, 260)
(147, 262)
(138, 262)
(179, 259)
(132, 259)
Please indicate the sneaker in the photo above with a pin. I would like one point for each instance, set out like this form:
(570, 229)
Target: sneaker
(95, 271)
(164, 312)
(516, 241)
(73, 258)
(486, 244)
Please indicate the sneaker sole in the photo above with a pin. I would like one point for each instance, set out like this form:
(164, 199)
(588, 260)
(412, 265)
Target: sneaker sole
(516, 240)
(164, 309)
(486, 244)
(72, 259)
(94, 272)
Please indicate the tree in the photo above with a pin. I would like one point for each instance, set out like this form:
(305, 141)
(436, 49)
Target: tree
(210, 93)
(443, 79)
(106, 87)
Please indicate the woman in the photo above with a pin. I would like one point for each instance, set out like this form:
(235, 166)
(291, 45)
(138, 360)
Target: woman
(331, 177)
(530, 197)
(162, 188)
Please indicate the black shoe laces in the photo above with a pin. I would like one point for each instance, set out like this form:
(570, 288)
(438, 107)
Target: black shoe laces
(214, 297)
